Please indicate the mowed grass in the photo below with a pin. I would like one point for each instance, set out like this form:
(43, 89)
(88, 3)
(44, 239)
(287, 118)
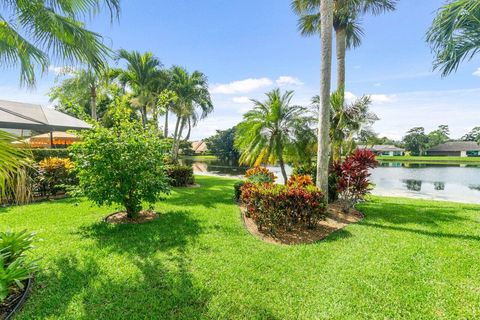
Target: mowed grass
(408, 259)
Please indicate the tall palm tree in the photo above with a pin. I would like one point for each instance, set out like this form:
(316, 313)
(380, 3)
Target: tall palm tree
(455, 34)
(346, 23)
(13, 161)
(141, 75)
(33, 31)
(193, 102)
(271, 129)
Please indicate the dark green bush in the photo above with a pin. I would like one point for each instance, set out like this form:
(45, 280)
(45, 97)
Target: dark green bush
(180, 176)
(40, 154)
(237, 190)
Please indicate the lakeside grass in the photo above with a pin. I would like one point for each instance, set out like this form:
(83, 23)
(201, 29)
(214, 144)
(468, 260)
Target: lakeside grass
(430, 159)
(407, 259)
(199, 157)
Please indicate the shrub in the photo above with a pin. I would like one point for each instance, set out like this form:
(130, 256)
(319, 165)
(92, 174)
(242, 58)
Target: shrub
(272, 206)
(122, 164)
(260, 175)
(180, 176)
(40, 154)
(237, 190)
(14, 267)
(311, 170)
(352, 176)
(54, 175)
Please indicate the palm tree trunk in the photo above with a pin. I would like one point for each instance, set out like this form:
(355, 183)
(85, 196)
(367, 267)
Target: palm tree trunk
(341, 49)
(179, 137)
(144, 116)
(165, 129)
(93, 102)
(326, 17)
(175, 134)
(189, 129)
(282, 169)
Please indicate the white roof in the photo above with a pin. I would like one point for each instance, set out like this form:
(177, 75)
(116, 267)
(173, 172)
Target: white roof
(19, 115)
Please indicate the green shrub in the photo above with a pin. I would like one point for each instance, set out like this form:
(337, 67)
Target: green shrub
(54, 175)
(237, 190)
(273, 206)
(260, 175)
(14, 266)
(311, 170)
(180, 176)
(40, 154)
(122, 164)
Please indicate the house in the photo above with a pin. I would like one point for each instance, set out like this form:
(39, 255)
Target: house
(384, 150)
(456, 149)
(199, 147)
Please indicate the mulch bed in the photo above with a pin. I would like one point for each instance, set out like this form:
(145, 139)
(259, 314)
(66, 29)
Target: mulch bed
(14, 301)
(336, 219)
(121, 217)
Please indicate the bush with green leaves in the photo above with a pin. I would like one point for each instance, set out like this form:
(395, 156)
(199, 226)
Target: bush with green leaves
(237, 189)
(122, 164)
(180, 176)
(14, 266)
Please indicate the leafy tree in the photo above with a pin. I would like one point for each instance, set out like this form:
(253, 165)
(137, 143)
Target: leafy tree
(271, 130)
(416, 140)
(33, 31)
(193, 102)
(368, 137)
(473, 135)
(121, 165)
(347, 15)
(455, 34)
(439, 136)
(222, 145)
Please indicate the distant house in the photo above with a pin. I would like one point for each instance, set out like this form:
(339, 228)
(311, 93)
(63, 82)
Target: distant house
(456, 149)
(384, 150)
(199, 147)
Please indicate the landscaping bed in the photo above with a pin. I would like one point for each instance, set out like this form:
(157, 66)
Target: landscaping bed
(14, 302)
(122, 218)
(336, 219)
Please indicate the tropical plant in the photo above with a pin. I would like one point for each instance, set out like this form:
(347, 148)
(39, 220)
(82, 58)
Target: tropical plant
(346, 23)
(260, 175)
(33, 31)
(346, 121)
(85, 94)
(271, 130)
(141, 75)
(455, 34)
(14, 162)
(166, 99)
(14, 266)
(54, 175)
(180, 176)
(122, 165)
(193, 102)
(222, 145)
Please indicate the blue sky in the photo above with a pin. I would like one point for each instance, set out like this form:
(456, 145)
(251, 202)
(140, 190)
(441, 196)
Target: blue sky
(251, 46)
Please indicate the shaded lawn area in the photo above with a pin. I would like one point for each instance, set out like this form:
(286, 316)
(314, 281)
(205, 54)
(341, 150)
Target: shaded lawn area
(407, 259)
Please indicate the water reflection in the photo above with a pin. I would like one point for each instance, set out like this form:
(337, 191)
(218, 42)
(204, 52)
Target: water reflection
(414, 185)
(439, 186)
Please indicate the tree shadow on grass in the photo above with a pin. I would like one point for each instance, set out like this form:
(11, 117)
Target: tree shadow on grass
(152, 281)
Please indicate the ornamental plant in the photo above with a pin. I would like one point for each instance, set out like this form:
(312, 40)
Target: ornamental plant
(273, 207)
(122, 164)
(54, 175)
(352, 176)
(260, 175)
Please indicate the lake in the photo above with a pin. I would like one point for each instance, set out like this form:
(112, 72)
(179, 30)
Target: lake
(459, 183)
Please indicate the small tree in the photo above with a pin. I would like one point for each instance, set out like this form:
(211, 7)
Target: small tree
(122, 164)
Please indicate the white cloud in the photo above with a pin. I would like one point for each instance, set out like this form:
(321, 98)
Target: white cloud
(477, 72)
(61, 70)
(241, 100)
(382, 98)
(287, 80)
(350, 97)
(241, 86)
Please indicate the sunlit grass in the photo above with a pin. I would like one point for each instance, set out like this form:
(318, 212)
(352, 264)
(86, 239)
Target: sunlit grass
(407, 259)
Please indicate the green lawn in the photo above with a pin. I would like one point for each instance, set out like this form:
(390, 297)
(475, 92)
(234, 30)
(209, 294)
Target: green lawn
(432, 159)
(199, 157)
(409, 259)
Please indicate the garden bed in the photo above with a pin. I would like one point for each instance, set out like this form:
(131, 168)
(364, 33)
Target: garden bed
(14, 302)
(121, 217)
(336, 219)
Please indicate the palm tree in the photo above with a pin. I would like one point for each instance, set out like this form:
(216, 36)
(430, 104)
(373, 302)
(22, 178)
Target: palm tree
(271, 129)
(33, 31)
(141, 75)
(346, 121)
(455, 34)
(192, 94)
(13, 161)
(346, 23)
